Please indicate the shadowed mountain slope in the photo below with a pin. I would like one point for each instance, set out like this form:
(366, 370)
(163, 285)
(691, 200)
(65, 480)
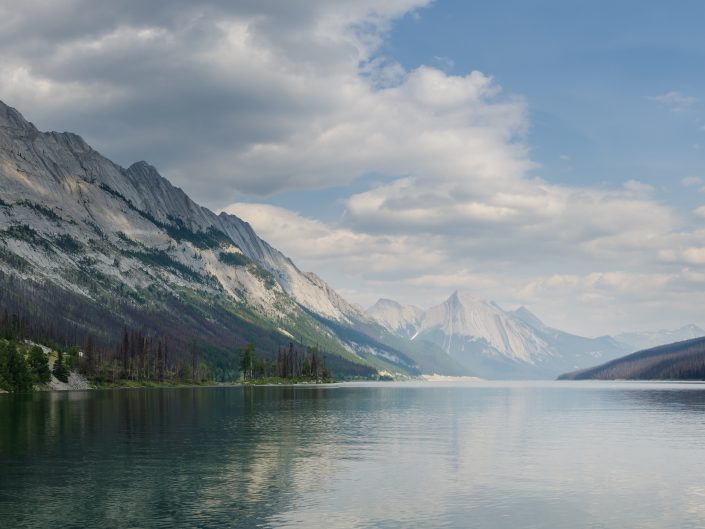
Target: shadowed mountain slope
(677, 361)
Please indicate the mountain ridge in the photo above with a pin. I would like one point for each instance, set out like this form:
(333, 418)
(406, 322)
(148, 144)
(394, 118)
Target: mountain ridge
(496, 343)
(482, 343)
(75, 221)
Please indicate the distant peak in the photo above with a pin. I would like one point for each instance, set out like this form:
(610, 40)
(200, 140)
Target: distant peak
(464, 298)
(386, 302)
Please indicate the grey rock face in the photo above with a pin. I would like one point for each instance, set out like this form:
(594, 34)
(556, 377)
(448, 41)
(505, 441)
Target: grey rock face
(66, 211)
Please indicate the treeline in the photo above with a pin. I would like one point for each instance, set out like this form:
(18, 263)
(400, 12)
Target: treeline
(291, 363)
(56, 317)
(150, 345)
(138, 357)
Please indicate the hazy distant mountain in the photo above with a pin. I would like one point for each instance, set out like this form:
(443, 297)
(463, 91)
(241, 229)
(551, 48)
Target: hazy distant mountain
(683, 360)
(465, 324)
(492, 342)
(644, 340)
(399, 319)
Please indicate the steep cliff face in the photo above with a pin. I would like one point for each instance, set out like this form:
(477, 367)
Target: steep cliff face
(72, 219)
(133, 200)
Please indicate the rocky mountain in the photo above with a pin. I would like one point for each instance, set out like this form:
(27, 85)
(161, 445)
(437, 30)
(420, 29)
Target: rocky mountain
(495, 343)
(399, 319)
(684, 360)
(646, 340)
(88, 247)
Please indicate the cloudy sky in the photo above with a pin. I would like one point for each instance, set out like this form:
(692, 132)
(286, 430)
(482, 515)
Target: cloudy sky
(542, 153)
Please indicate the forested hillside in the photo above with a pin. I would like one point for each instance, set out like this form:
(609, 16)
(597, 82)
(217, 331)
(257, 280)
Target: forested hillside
(677, 361)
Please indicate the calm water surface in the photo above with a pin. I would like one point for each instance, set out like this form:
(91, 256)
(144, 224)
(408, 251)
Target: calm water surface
(474, 455)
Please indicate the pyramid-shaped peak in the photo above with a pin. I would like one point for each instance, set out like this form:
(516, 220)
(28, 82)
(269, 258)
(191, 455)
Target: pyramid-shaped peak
(465, 298)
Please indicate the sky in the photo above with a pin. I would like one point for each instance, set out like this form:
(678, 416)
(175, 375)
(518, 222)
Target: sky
(547, 154)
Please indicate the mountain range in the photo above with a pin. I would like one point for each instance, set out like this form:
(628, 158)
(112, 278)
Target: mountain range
(88, 247)
(492, 342)
(496, 343)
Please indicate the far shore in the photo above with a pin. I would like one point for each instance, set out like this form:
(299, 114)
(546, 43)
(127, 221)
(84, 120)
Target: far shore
(78, 382)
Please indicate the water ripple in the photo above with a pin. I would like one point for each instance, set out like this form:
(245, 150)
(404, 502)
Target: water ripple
(485, 455)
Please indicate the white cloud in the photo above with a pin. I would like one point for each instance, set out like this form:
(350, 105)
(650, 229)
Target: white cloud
(694, 255)
(317, 244)
(250, 96)
(690, 181)
(229, 97)
(618, 299)
(638, 187)
(530, 217)
(675, 100)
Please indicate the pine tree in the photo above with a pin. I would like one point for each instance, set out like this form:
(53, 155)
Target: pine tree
(247, 363)
(124, 350)
(60, 371)
(194, 362)
(160, 362)
(15, 375)
(165, 359)
(89, 357)
(39, 365)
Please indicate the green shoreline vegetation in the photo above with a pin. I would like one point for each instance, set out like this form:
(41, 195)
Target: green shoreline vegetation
(142, 362)
(26, 366)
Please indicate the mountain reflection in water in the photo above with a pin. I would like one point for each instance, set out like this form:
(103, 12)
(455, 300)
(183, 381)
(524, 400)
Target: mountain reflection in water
(478, 454)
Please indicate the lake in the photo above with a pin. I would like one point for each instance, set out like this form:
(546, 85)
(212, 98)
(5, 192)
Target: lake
(389, 455)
